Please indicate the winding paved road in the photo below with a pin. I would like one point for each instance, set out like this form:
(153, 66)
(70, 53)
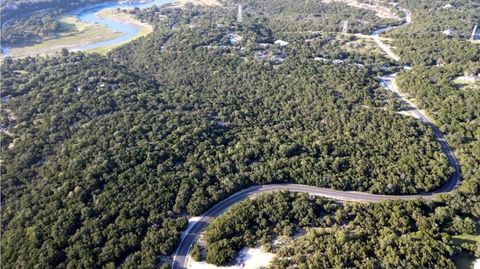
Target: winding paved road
(191, 235)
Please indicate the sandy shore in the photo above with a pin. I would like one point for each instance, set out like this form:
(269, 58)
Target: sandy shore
(123, 17)
(113, 14)
(81, 34)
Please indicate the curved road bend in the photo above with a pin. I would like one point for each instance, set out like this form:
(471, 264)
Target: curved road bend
(180, 257)
(387, 82)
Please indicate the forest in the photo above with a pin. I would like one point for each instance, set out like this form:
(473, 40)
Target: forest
(327, 234)
(31, 29)
(439, 34)
(10, 9)
(311, 15)
(26, 22)
(356, 235)
(104, 157)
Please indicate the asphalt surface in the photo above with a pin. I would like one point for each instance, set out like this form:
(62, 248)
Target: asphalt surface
(386, 48)
(180, 257)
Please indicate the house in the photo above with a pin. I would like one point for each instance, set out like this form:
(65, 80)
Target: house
(281, 43)
(448, 32)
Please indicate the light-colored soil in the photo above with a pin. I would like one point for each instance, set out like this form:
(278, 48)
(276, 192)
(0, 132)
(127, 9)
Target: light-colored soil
(12, 145)
(386, 48)
(81, 34)
(113, 14)
(380, 11)
(71, 23)
(467, 82)
(411, 102)
(11, 135)
(198, 2)
(364, 45)
(249, 258)
(78, 34)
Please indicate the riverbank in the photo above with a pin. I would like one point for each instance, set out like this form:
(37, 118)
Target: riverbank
(124, 18)
(98, 31)
(79, 34)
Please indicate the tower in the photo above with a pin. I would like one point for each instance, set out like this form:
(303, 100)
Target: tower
(240, 14)
(474, 33)
(345, 27)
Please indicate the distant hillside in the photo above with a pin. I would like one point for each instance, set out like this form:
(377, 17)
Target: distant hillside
(11, 8)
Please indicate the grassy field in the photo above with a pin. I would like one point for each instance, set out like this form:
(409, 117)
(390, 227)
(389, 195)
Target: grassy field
(381, 11)
(362, 44)
(466, 238)
(466, 241)
(78, 34)
(465, 83)
(70, 23)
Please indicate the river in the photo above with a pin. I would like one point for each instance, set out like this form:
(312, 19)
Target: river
(128, 31)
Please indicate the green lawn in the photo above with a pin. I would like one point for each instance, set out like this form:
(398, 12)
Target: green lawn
(466, 83)
(470, 239)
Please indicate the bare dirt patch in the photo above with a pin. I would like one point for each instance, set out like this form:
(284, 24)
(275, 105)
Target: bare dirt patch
(248, 258)
(198, 2)
(381, 11)
(81, 34)
(363, 45)
(123, 17)
(467, 83)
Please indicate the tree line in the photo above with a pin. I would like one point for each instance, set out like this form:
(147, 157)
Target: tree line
(328, 234)
(104, 156)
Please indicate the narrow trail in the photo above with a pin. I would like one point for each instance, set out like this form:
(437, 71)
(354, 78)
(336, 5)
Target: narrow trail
(180, 259)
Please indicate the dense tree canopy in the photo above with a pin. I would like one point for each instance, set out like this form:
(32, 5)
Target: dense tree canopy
(386, 235)
(103, 156)
(440, 33)
(31, 29)
(13, 9)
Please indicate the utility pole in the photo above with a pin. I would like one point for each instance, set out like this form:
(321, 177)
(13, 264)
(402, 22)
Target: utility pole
(345, 27)
(474, 32)
(240, 14)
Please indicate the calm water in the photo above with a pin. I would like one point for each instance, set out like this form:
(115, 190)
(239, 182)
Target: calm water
(88, 15)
